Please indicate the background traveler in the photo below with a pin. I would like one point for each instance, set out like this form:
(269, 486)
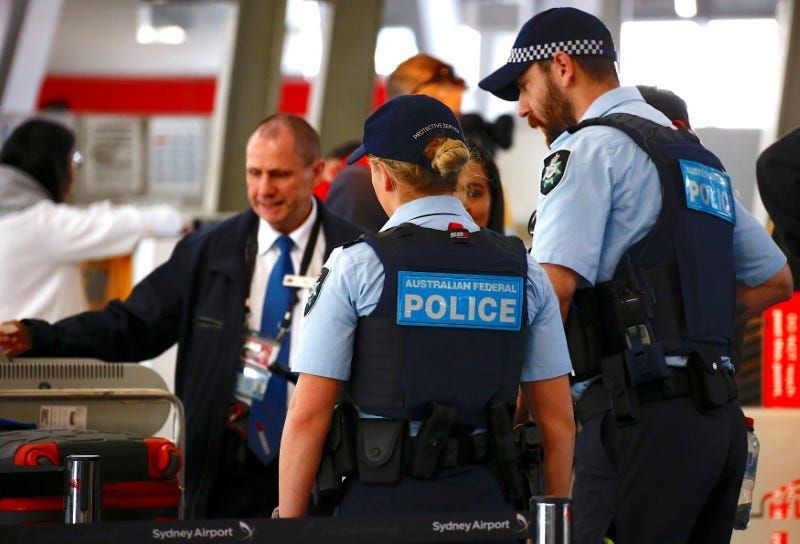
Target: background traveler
(43, 239)
(480, 190)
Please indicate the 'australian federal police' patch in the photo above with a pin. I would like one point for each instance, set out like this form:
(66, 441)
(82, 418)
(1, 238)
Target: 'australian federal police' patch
(708, 190)
(555, 165)
(314, 294)
(428, 299)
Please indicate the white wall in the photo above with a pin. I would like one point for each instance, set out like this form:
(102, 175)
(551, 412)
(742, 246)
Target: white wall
(738, 150)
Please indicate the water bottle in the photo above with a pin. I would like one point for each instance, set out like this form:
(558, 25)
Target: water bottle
(742, 519)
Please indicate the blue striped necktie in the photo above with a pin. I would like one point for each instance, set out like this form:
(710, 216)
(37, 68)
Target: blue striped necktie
(267, 416)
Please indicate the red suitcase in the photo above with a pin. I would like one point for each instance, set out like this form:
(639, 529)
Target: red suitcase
(138, 475)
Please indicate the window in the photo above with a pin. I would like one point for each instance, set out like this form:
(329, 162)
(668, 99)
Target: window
(727, 70)
(302, 46)
(395, 44)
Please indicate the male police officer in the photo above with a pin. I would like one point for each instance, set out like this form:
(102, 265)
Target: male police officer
(648, 252)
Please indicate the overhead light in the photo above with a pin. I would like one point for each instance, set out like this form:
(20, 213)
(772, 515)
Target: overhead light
(686, 8)
(161, 23)
(171, 34)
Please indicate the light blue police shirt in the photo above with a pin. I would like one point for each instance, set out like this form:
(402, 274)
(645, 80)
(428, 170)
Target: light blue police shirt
(610, 196)
(354, 284)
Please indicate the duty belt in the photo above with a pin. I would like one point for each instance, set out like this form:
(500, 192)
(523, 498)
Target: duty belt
(459, 450)
(595, 400)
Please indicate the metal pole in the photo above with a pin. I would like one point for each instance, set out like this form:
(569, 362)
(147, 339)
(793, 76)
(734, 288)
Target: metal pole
(82, 497)
(552, 519)
(16, 18)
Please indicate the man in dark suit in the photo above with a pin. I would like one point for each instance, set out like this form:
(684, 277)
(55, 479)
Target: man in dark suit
(210, 295)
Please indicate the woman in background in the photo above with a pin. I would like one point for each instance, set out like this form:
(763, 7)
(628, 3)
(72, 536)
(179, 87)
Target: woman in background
(43, 240)
(480, 190)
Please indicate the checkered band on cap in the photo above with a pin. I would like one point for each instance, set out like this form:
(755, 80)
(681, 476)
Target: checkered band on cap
(547, 50)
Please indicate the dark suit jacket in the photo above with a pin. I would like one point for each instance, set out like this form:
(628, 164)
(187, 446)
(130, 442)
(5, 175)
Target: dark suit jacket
(352, 196)
(778, 174)
(195, 299)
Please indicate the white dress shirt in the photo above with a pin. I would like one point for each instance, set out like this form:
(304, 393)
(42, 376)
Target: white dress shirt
(266, 258)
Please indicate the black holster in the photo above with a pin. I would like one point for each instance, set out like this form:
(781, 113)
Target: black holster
(583, 335)
(529, 442)
(339, 451)
(504, 456)
(431, 440)
(621, 393)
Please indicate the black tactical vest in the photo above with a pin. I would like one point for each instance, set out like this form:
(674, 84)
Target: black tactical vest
(449, 327)
(679, 279)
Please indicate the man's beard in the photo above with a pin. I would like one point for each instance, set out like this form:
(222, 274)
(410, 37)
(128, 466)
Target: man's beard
(557, 113)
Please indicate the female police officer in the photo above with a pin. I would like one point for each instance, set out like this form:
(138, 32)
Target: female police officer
(432, 324)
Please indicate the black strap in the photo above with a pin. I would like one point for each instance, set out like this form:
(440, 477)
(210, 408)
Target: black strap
(638, 129)
(308, 252)
(251, 249)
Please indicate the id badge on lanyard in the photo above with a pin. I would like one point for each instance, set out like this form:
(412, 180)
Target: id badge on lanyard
(257, 354)
(260, 351)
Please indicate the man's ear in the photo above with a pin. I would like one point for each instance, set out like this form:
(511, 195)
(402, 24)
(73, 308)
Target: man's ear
(562, 69)
(317, 168)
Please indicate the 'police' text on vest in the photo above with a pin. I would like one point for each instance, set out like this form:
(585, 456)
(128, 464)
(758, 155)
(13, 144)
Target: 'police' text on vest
(427, 299)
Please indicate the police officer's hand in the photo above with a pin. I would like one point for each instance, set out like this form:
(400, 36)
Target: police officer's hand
(14, 338)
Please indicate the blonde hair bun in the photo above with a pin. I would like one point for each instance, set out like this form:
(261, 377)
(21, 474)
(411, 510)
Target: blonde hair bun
(450, 156)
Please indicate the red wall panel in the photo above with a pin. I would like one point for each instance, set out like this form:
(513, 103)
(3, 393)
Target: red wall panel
(160, 95)
(152, 95)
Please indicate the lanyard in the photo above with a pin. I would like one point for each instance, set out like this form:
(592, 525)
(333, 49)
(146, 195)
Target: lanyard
(251, 249)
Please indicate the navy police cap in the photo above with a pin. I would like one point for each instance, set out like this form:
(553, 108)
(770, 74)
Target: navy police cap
(403, 127)
(558, 29)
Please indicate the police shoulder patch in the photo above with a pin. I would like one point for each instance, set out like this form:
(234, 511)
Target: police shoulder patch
(314, 294)
(555, 166)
